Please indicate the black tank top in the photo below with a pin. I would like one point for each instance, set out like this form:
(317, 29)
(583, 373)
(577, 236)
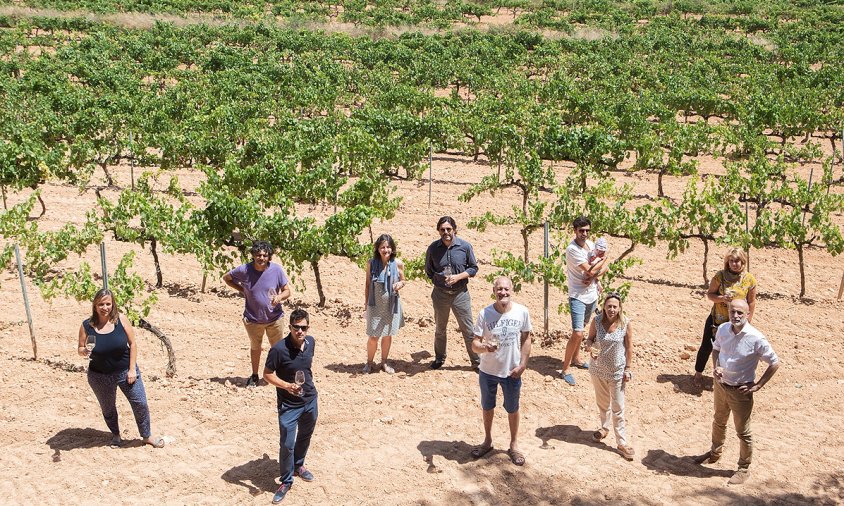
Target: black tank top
(111, 353)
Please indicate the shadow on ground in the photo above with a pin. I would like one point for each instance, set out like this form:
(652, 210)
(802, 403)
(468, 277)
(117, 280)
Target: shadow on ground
(257, 476)
(683, 383)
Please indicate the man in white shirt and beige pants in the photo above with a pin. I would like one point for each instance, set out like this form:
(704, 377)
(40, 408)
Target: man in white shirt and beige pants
(736, 353)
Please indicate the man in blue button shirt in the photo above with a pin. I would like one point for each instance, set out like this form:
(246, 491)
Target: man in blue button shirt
(449, 263)
(297, 403)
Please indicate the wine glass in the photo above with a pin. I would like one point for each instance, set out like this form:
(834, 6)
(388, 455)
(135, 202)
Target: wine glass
(90, 343)
(300, 379)
(494, 340)
(271, 293)
(447, 272)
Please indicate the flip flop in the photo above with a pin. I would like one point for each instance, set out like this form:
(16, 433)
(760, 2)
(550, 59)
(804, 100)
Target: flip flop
(480, 451)
(517, 457)
(158, 442)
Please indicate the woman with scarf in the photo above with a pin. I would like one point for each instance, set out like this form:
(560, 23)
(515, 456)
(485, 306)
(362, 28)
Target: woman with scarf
(384, 279)
(733, 282)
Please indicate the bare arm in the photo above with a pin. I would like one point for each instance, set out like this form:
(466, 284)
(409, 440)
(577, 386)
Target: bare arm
(366, 285)
(712, 293)
(131, 376)
(82, 341)
(229, 280)
(715, 372)
(271, 378)
(401, 282)
(766, 376)
(628, 348)
(593, 332)
(751, 303)
(480, 346)
(282, 296)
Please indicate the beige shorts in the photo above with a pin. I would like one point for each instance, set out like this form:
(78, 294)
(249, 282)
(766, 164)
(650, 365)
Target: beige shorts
(275, 332)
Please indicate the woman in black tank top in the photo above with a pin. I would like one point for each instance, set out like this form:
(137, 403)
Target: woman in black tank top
(113, 364)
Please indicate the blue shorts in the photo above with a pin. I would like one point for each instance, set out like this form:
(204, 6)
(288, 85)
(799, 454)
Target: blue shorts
(510, 387)
(581, 313)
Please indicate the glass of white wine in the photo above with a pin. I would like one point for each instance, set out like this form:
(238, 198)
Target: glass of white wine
(300, 379)
(494, 340)
(90, 343)
(447, 272)
(271, 293)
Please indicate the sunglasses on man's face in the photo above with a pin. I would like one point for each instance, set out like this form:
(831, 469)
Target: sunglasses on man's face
(300, 328)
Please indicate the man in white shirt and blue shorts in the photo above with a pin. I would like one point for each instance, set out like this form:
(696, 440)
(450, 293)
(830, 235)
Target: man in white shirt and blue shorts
(582, 281)
(502, 340)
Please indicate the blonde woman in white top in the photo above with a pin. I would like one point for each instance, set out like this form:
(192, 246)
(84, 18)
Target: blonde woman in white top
(610, 337)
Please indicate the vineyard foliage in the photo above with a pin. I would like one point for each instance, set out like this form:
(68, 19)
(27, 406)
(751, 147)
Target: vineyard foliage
(285, 124)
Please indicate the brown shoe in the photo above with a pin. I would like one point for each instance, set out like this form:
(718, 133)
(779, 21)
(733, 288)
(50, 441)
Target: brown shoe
(599, 434)
(626, 451)
(708, 458)
(739, 477)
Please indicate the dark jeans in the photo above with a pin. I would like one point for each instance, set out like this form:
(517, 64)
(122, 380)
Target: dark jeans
(296, 426)
(705, 349)
(460, 303)
(105, 389)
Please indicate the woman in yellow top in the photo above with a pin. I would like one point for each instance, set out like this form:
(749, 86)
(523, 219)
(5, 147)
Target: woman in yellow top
(733, 282)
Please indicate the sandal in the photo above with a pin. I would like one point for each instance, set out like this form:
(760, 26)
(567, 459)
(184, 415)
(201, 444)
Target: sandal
(116, 441)
(516, 457)
(158, 442)
(582, 365)
(599, 434)
(480, 451)
(626, 451)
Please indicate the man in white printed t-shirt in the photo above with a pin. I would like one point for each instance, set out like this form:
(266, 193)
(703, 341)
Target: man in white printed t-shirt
(502, 339)
(582, 281)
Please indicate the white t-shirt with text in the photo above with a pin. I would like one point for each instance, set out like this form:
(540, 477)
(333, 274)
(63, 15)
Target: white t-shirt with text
(576, 256)
(508, 327)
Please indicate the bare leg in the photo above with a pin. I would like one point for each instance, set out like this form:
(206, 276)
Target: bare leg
(513, 418)
(572, 349)
(371, 346)
(386, 341)
(488, 414)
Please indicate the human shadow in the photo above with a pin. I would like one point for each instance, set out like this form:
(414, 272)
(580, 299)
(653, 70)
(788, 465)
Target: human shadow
(568, 434)
(409, 368)
(257, 476)
(78, 438)
(457, 451)
(545, 365)
(684, 383)
(664, 463)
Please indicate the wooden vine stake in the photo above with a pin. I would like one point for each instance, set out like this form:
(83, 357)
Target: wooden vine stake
(841, 287)
(26, 302)
(545, 289)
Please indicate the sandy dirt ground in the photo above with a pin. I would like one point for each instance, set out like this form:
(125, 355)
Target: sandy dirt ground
(406, 439)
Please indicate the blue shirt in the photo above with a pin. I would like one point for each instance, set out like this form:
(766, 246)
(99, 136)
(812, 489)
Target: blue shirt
(285, 359)
(256, 288)
(459, 256)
